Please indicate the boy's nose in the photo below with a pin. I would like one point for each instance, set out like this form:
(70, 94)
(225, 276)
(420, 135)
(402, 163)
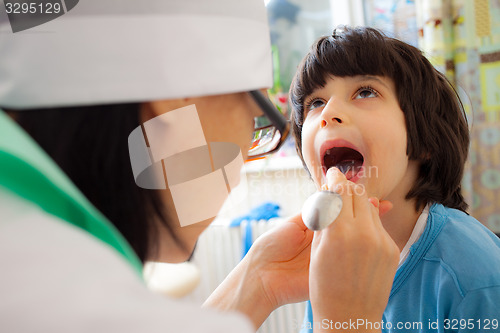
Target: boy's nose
(335, 119)
(332, 114)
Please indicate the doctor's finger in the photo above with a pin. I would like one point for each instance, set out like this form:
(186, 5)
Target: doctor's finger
(362, 207)
(335, 179)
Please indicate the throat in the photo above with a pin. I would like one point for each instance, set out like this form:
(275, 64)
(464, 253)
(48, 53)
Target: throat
(400, 221)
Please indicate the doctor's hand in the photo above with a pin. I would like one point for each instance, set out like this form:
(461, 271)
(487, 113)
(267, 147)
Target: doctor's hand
(274, 272)
(281, 259)
(353, 261)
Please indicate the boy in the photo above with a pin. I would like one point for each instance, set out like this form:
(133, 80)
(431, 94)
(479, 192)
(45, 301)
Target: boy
(371, 110)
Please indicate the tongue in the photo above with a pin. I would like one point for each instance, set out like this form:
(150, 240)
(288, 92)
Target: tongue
(349, 167)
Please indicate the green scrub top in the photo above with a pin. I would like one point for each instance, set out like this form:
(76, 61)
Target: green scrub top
(29, 172)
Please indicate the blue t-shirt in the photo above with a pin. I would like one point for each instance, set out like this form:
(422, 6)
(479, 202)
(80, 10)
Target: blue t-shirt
(450, 281)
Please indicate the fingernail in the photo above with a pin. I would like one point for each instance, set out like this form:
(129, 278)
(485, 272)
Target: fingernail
(375, 202)
(332, 170)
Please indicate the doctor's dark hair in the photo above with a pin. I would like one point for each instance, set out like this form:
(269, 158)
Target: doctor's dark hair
(90, 144)
(436, 125)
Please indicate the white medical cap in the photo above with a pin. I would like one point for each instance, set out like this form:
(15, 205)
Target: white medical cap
(117, 51)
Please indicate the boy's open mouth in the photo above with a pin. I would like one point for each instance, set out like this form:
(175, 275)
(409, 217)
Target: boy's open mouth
(348, 160)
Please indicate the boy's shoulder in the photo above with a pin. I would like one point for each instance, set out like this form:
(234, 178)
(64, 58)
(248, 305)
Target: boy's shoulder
(465, 248)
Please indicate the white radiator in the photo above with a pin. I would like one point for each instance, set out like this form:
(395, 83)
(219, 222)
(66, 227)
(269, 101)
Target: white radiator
(218, 251)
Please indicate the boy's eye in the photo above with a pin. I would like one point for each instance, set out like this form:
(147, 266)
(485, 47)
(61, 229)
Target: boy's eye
(366, 92)
(315, 103)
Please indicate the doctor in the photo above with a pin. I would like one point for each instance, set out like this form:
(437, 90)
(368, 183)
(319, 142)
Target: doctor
(75, 227)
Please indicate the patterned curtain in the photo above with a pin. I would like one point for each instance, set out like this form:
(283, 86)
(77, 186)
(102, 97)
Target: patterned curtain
(462, 40)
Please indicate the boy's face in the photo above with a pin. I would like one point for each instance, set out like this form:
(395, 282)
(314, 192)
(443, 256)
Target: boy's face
(356, 124)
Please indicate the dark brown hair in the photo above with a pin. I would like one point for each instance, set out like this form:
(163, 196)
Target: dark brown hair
(90, 144)
(436, 125)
